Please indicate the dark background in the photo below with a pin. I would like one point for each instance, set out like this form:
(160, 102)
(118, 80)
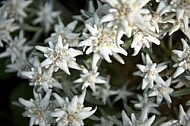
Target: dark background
(12, 87)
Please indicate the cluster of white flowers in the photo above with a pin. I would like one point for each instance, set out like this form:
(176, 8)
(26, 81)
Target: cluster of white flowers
(84, 62)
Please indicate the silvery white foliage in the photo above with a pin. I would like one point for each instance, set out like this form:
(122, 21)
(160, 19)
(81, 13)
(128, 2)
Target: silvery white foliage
(90, 78)
(150, 72)
(101, 42)
(37, 109)
(142, 120)
(144, 101)
(126, 15)
(162, 92)
(142, 39)
(6, 27)
(66, 33)
(16, 48)
(40, 78)
(103, 92)
(16, 9)
(181, 59)
(46, 16)
(71, 113)
(59, 56)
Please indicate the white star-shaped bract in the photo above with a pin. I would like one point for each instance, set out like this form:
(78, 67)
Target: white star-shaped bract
(60, 56)
(90, 78)
(150, 72)
(37, 109)
(71, 113)
(41, 78)
(17, 48)
(16, 9)
(162, 91)
(101, 42)
(46, 15)
(143, 119)
(142, 39)
(66, 33)
(182, 59)
(126, 15)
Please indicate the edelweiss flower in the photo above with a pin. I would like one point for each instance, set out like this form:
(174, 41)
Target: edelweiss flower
(6, 27)
(101, 42)
(90, 78)
(126, 14)
(182, 9)
(142, 39)
(150, 73)
(123, 94)
(46, 16)
(144, 101)
(18, 66)
(103, 92)
(37, 109)
(142, 121)
(41, 78)
(183, 118)
(72, 113)
(66, 33)
(16, 48)
(183, 80)
(59, 56)
(162, 91)
(182, 59)
(15, 8)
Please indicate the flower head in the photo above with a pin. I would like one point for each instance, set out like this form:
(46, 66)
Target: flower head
(126, 15)
(59, 56)
(72, 113)
(182, 59)
(66, 33)
(143, 119)
(101, 42)
(150, 73)
(163, 91)
(90, 78)
(46, 16)
(37, 109)
(16, 8)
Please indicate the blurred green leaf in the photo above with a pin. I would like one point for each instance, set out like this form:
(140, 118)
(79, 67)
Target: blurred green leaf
(180, 92)
(114, 120)
(159, 121)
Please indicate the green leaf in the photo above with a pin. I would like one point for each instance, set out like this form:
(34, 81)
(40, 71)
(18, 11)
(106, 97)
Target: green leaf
(128, 109)
(180, 92)
(114, 120)
(67, 91)
(159, 121)
(93, 100)
(94, 118)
